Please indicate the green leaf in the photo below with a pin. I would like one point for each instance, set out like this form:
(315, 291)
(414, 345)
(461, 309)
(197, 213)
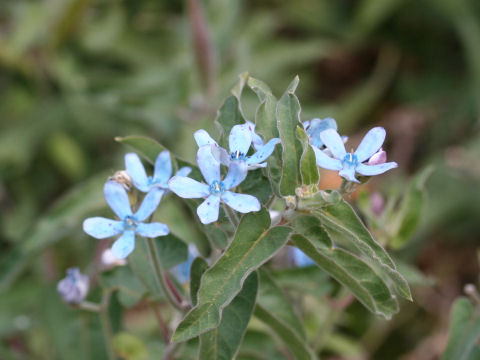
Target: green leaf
(256, 185)
(272, 298)
(295, 343)
(288, 118)
(464, 332)
(254, 244)
(122, 278)
(411, 209)
(224, 341)
(266, 126)
(129, 346)
(63, 219)
(309, 279)
(308, 162)
(171, 250)
(199, 266)
(230, 114)
(352, 272)
(345, 227)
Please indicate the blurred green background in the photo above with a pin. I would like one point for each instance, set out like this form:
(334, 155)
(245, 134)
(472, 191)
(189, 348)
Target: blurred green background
(76, 73)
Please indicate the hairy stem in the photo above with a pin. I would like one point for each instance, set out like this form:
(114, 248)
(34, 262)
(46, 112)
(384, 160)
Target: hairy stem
(231, 215)
(161, 276)
(106, 326)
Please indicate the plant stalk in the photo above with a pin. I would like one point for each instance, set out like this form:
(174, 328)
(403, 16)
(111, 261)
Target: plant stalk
(106, 326)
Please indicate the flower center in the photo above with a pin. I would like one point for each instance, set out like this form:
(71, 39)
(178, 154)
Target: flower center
(152, 181)
(217, 187)
(350, 159)
(130, 223)
(237, 155)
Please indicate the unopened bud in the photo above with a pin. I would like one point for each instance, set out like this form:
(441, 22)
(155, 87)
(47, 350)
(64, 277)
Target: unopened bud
(74, 287)
(378, 158)
(123, 178)
(109, 260)
(377, 203)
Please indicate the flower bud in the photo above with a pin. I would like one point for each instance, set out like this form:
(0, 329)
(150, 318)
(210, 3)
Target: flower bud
(109, 260)
(380, 157)
(74, 287)
(123, 178)
(377, 203)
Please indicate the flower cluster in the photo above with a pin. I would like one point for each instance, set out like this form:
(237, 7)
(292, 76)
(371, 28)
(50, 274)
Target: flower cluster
(209, 158)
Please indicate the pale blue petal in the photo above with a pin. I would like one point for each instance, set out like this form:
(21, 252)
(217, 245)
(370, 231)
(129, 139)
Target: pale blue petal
(188, 188)
(316, 127)
(300, 258)
(257, 166)
(370, 170)
(221, 155)
(149, 203)
(370, 144)
(325, 161)
(263, 152)
(240, 139)
(208, 210)
(306, 124)
(136, 171)
(237, 172)
(257, 140)
(117, 198)
(334, 143)
(184, 171)
(209, 167)
(349, 174)
(241, 202)
(124, 245)
(203, 138)
(152, 230)
(101, 228)
(163, 167)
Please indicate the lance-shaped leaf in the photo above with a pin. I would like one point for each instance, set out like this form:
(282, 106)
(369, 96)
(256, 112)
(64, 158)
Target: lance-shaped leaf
(266, 126)
(308, 162)
(223, 342)
(352, 272)
(272, 298)
(343, 224)
(410, 211)
(295, 343)
(199, 266)
(230, 114)
(288, 118)
(254, 243)
(464, 332)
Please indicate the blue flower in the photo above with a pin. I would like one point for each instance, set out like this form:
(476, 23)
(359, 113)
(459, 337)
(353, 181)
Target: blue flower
(216, 190)
(182, 271)
(161, 173)
(349, 163)
(240, 139)
(299, 258)
(314, 127)
(74, 287)
(129, 223)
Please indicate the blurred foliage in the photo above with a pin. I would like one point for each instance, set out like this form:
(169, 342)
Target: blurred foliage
(76, 73)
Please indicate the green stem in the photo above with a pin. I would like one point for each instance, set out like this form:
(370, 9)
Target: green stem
(343, 187)
(106, 326)
(231, 215)
(171, 349)
(89, 306)
(160, 275)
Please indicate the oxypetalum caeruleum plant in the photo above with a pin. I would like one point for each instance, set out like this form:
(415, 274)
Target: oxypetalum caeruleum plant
(248, 208)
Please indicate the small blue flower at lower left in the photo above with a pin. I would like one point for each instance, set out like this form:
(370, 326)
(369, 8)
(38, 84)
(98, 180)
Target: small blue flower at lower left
(216, 190)
(129, 223)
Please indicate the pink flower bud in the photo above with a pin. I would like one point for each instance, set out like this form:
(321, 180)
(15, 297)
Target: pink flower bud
(380, 157)
(377, 203)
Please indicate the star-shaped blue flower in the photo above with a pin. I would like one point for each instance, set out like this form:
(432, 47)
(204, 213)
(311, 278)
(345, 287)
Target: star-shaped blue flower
(162, 171)
(129, 223)
(216, 190)
(349, 163)
(240, 139)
